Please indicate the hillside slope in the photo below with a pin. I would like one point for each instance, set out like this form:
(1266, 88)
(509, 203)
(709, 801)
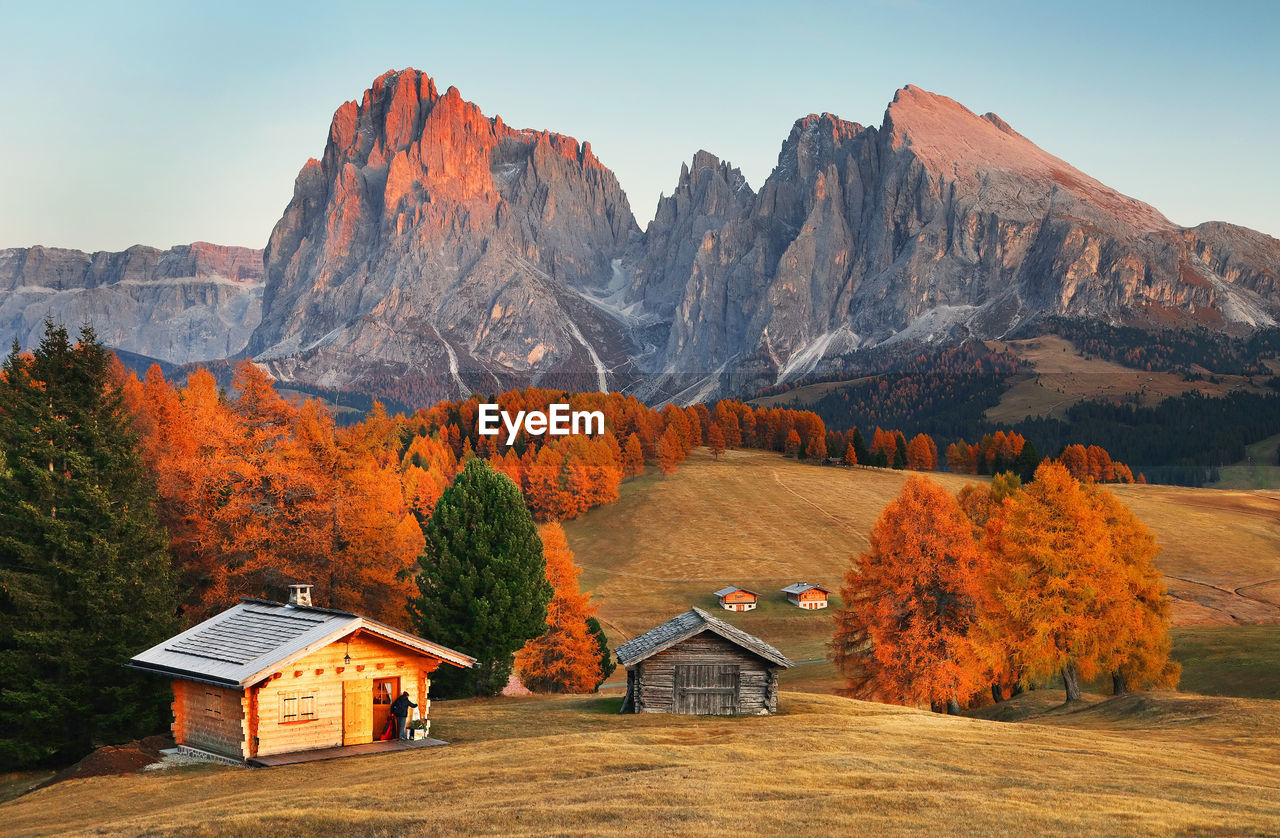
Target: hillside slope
(824, 766)
(762, 521)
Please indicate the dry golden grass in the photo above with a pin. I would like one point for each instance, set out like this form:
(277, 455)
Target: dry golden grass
(1063, 377)
(761, 521)
(824, 766)
(1154, 764)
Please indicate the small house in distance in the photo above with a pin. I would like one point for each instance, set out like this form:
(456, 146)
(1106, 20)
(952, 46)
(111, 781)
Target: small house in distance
(697, 664)
(266, 678)
(806, 596)
(737, 599)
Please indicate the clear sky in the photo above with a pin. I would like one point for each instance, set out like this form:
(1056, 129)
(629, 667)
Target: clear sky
(165, 123)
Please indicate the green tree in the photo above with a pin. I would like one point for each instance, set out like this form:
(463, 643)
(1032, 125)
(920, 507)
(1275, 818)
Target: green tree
(1027, 461)
(86, 581)
(482, 581)
(860, 447)
(607, 664)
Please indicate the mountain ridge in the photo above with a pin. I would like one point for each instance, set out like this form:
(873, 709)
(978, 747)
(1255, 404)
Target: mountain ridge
(434, 250)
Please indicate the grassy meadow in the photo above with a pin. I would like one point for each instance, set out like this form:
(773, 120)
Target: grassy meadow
(761, 521)
(1144, 764)
(823, 766)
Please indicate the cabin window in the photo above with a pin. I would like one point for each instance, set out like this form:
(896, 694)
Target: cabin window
(212, 703)
(297, 707)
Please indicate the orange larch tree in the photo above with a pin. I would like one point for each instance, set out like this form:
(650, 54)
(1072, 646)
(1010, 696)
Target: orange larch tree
(566, 658)
(1144, 658)
(1060, 598)
(910, 601)
(715, 441)
(922, 453)
(670, 450)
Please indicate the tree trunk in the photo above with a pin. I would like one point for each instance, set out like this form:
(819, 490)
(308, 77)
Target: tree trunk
(1119, 684)
(1071, 680)
(953, 708)
(937, 706)
(997, 693)
(1017, 689)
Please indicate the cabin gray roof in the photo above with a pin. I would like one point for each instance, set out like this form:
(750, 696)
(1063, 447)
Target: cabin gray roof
(801, 587)
(249, 641)
(690, 623)
(731, 589)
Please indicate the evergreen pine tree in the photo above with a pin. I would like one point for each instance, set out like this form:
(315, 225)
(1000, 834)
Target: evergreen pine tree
(900, 451)
(482, 583)
(607, 664)
(85, 578)
(1027, 461)
(860, 447)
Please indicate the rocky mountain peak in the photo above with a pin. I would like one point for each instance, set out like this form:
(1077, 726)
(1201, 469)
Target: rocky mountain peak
(441, 244)
(955, 144)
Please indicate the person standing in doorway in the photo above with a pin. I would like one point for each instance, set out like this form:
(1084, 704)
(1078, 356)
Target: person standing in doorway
(400, 710)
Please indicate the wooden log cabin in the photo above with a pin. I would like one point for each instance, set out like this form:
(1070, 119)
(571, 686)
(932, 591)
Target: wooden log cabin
(697, 664)
(806, 596)
(266, 678)
(737, 599)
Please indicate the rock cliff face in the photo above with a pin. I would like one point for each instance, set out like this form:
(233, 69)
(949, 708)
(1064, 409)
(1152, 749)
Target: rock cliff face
(189, 303)
(433, 251)
(436, 243)
(936, 226)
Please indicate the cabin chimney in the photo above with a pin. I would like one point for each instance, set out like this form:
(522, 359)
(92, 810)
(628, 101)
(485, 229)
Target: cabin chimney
(300, 595)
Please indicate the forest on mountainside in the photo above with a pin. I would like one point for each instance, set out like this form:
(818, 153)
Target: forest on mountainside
(1182, 440)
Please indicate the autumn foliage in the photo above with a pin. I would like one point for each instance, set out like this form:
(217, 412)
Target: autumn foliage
(1008, 586)
(1064, 595)
(904, 634)
(257, 492)
(566, 659)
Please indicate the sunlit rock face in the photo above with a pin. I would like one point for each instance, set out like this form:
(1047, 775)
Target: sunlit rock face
(433, 251)
(433, 242)
(193, 302)
(939, 225)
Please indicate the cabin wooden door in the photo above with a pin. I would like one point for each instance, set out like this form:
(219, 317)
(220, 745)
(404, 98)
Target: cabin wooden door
(357, 710)
(706, 689)
(385, 691)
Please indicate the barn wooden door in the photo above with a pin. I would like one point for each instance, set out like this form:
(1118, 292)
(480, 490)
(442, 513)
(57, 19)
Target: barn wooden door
(707, 689)
(357, 712)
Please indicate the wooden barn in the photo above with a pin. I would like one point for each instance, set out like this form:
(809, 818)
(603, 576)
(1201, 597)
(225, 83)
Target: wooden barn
(697, 664)
(806, 596)
(737, 599)
(266, 678)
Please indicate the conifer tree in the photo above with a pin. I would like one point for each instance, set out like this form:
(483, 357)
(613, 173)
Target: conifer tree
(1059, 593)
(670, 450)
(482, 583)
(1025, 464)
(715, 441)
(565, 658)
(860, 447)
(1145, 644)
(904, 633)
(85, 579)
(607, 664)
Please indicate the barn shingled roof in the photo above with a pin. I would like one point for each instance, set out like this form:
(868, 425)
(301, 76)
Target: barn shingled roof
(692, 622)
(732, 589)
(801, 587)
(247, 642)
